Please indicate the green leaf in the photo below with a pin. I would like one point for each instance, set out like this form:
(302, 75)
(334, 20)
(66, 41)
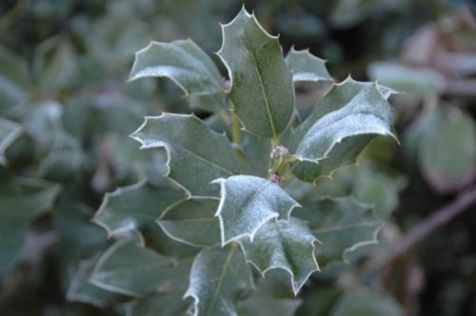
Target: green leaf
(196, 154)
(81, 290)
(130, 207)
(9, 131)
(286, 245)
(21, 200)
(447, 149)
(219, 276)
(183, 62)
(129, 268)
(344, 121)
(162, 304)
(341, 225)
(265, 303)
(247, 203)
(306, 67)
(261, 86)
(138, 206)
(364, 302)
(193, 222)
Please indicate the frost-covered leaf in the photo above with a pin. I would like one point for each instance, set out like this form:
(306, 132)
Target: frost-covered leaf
(197, 154)
(181, 61)
(219, 276)
(133, 206)
(21, 200)
(193, 222)
(9, 131)
(129, 268)
(81, 290)
(306, 67)
(341, 225)
(167, 304)
(264, 302)
(447, 149)
(247, 203)
(344, 121)
(284, 244)
(363, 302)
(138, 206)
(261, 86)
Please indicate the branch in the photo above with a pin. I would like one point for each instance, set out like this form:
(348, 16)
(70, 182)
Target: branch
(438, 218)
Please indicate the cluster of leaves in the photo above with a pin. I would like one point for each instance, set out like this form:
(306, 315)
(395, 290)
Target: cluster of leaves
(66, 113)
(225, 199)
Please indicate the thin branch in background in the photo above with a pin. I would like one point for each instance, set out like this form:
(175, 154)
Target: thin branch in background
(438, 218)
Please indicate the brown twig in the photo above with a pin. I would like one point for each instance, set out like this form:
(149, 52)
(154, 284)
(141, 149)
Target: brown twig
(438, 218)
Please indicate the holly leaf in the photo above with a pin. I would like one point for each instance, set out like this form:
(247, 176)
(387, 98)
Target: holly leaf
(344, 121)
(129, 268)
(196, 154)
(158, 304)
(9, 131)
(306, 67)
(219, 276)
(81, 290)
(181, 61)
(193, 222)
(261, 86)
(341, 225)
(247, 203)
(21, 200)
(286, 245)
(130, 207)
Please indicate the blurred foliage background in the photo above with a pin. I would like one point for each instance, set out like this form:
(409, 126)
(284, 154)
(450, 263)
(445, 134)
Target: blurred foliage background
(67, 111)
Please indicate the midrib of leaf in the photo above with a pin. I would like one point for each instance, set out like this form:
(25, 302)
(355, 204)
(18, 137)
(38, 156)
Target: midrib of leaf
(220, 281)
(334, 228)
(263, 92)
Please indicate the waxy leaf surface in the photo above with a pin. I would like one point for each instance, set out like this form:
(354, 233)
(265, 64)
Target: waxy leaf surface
(218, 277)
(247, 203)
(196, 154)
(181, 61)
(348, 117)
(284, 244)
(261, 86)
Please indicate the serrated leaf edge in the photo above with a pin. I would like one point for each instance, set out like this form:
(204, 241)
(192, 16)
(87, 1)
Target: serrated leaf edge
(230, 74)
(143, 50)
(295, 288)
(390, 133)
(251, 235)
(312, 56)
(164, 145)
(105, 256)
(102, 208)
(158, 221)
